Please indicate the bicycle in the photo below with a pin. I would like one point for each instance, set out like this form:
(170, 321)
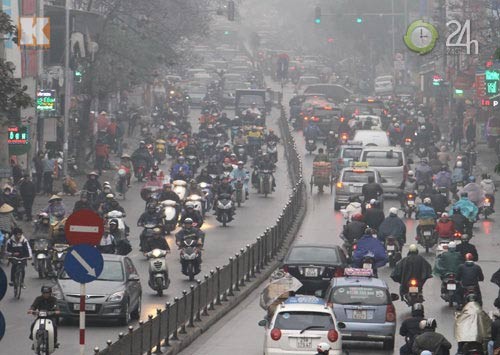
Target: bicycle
(19, 264)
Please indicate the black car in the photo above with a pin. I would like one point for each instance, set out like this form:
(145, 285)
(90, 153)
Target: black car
(314, 265)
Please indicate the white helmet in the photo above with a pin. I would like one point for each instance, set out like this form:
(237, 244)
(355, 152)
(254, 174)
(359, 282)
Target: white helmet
(323, 347)
(452, 245)
(444, 215)
(393, 210)
(411, 173)
(459, 164)
(427, 201)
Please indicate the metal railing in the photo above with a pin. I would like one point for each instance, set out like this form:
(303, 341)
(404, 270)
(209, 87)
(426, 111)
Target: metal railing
(205, 294)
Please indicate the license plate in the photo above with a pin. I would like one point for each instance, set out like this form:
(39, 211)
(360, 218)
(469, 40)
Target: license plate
(427, 233)
(413, 289)
(486, 204)
(360, 315)
(304, 343)
(411, 203)
(367, 266)
(391, 247)
(354, 189)
(311, 272)
(451, 287)
(88, 307)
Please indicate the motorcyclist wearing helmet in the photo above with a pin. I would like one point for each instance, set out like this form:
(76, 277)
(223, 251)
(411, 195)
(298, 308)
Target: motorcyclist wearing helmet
(413, 266)
(142, 157)
(392, 226)
(374, 216)
(439, 201)
(180, 170)
(83, 203)
(204, 177)
(266, 164)
(489, 189)
(354, 207)
(408, 186)
(111, 204)
(355, 229)
(242, 174)
(190, 212)
(107, 244)
(467, 208)
(42, 226)
(312, 131)
(323, 349)
(466, 247)
(448, 263)
(271, 137)
(426, 214)
(194, 189)
(430, 340)
(443, 178)
(444, 155)
(92, 185)
(423, 173)
(369, 244)
(157, 242)
(469, 275)
(444, 227)
(189, 231)
(45, 302)
(458, 174)
(410, 328)
(372, 189)
(474, 192)
(332, 141)
(168, 194)
(460, 222)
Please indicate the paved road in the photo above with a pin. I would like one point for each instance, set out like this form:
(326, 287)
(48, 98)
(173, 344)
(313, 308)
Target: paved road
(251, 220)
(238, 332)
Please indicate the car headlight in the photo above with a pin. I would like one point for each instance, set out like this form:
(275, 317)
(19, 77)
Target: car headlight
(116, 297)
(57, 293)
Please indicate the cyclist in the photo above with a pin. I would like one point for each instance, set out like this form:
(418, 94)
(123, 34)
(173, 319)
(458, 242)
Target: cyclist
(19, 247)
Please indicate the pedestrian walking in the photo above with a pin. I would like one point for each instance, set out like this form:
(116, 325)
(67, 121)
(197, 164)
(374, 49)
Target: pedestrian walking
(456, 136)
(470, 129)
(17, 172)
(27, 190)
(48, 173)
(38, 171)
(101, 155)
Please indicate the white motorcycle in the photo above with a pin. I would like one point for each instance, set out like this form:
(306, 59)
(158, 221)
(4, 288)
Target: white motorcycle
(169, 215)
(180, 188)
(207, 195)
(43, 333)
(158, 271)
(197, 202)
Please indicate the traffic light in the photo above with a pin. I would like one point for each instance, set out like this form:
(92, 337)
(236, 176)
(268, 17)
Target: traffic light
(226, 33)
(230, 10)
(78, 75)
(330, 40)
(317, 15)
(359, 19)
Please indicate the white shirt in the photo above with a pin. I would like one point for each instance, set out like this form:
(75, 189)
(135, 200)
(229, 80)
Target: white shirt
(107, 239)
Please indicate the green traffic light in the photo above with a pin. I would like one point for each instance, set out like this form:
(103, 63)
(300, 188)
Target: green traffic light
(226, 32)
(318, 20)
(359, 20)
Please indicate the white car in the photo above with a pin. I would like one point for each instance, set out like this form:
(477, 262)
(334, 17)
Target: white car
(384, 84)
(299, 324)
(371, 138)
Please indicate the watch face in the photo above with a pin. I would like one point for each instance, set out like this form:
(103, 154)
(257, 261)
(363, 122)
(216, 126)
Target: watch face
(421, 37)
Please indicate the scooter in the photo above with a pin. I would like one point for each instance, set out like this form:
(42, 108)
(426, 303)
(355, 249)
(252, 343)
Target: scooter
(487, 208)
(190, 258)
(239, 192)
(58, 254)
(449, 288)
(197, 201)
(410, 207)
(311, 146)
(392, 250)
(121, 184)
(169, 215)
(41, 257)
(272, 151)
(193, 163)
(265, 182)
(426, 237)
(180, 188)
(241, 153)
(43, 333)
(158, 271)
(120, 218)
(413, 294)
(224, 209)
(207, 195)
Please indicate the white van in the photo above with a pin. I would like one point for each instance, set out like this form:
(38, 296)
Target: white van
(390, 162)
(370, 137)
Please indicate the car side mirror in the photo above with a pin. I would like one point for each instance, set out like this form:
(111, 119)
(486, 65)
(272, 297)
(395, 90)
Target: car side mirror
(341, 325)
(262, 323)
(318, 293)
(394, 297)
(134, 277)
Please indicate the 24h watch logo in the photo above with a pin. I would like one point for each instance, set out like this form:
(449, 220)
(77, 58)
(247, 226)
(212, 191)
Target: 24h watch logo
(34, 32)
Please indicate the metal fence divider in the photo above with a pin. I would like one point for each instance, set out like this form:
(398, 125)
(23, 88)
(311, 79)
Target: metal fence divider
(211, 305)
(182, 321)
(131, 348)
(224, 277)
(254, 262)
(231, 279)
(176, 323)
(166, 316)
(198, 309)
(158, 338)
(248, 263)
(191, 310)
(257, 264)
(218, 301)
(237, 278)
(242, 259)
(207, 296)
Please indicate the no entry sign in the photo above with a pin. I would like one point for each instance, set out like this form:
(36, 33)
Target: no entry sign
(84, 227)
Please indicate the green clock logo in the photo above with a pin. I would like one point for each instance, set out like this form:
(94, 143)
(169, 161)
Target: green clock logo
(421, 37)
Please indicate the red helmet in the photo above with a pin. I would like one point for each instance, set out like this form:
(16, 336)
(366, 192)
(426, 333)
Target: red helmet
(469, 257)
(357, 217)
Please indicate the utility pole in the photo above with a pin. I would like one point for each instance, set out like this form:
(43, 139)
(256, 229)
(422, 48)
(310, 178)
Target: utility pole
(67, 86)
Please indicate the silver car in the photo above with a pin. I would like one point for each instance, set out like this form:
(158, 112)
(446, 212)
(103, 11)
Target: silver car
(365, 305)
(350, 183)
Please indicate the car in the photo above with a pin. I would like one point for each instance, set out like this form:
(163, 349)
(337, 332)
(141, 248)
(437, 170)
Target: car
(390, 162)
(369, 137)
(364, 304)
(196, 94)
(115, 295)
(384, 84)
(334, 92)
(305, 81)
(314, 265)
(351, 181)
(347, 154)
(324, 114)
(376, 122)
(299, 324)
(230, 87)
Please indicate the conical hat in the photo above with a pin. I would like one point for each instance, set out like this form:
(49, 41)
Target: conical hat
(5, 208)
(55, 197)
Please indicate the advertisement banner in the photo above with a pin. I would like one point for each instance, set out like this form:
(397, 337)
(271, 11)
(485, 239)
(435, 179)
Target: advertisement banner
(12, 51)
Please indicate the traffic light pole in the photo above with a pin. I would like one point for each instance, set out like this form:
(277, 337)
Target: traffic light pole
(67, 87)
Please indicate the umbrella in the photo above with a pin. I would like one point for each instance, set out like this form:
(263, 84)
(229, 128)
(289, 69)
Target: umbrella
(278, 289)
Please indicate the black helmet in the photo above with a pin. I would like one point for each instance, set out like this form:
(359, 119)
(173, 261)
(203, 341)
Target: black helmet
(456, 209)
(46, 289)
(417, 309)
(429, 323)
(472, 297)
(369, 231)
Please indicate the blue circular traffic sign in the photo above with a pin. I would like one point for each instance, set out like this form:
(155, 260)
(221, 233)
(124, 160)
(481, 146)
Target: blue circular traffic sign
(83, 263)
(2, 326)
(3, 283)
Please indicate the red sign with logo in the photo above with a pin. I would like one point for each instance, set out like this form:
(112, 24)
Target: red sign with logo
(84, 227)
(480, 86)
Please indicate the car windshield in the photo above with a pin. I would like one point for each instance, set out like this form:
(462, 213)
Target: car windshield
(384, 159)
(302, 320)
(313, 254)
(247, 100)
(327, 112)
(360, 176)
(360, 295)
(351, 153)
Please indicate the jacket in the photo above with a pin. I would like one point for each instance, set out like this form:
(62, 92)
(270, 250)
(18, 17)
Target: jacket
(495, 332)
(467, 208)
(369, 244)
(372, 190)
(445, 229)
(447, 263)
(156, 243)
(425, 212)
(439, 202)
(410, 329)
(423, 174)
(488, 186)
(392, 225)
(7, 222)
(470, 274)
(434, 342)
(459, 222)
(409, 185)
(412, 266)
(458, 175)
(374, 217)
(22, 247)
(354, 230)
(472, 324)
(475, 193)
(443, 179)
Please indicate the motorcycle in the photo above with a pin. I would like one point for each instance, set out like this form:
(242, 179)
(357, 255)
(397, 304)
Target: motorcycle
(311, 146)
(140, 170)
(43, 333)
(265, 182)
(427, 238)
(158, 271)
(180, 188)
(449, 288)
(120, 218)
(41, 257)
(197, 201)
(349, 246)
(241, 153)
(413, 294)
(487, 208)
(410, 207)
(160, 152)
(169, 215)
(193, 163)
(239, 192)
(368, 263)
(393, 250)
(408, 145)
(207, 195)
(224, 209)
(190, 257)
(59, 252)
(272, 151)
(121, 185)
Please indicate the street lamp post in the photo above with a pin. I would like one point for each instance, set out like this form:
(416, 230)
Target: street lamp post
(67, 86)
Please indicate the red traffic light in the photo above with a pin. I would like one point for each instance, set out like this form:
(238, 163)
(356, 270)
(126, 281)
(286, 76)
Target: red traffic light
(330, 40)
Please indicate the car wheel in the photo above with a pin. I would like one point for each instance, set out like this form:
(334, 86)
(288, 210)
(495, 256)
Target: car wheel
(136, 314)
(388, 344)
(125, 319)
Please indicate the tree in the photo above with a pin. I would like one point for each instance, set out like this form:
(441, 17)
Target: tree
(12, 95)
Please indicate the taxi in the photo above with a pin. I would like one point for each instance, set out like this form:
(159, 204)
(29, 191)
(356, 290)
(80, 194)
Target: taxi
(364, 305)
(350, 182)
(299, 324)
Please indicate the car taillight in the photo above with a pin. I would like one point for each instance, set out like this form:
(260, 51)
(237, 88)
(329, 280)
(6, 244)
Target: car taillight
(408, 140)
(354, 246)
(275, 334)
(458, 235)
(413, 282)
(339, 272)
(285, 268)
(339, 185)
(390, 313)
(333, 335)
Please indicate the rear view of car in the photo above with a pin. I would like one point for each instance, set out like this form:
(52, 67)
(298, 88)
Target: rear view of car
(350, 183)
(390, 162)
(299, 325)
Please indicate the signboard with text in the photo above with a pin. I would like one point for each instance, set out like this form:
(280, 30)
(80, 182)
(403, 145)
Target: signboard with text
(17, 135)
(46, 100)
